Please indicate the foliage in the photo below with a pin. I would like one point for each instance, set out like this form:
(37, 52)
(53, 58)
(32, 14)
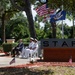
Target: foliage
(46, 31)
(1, 47)
(67, 31)
(70, 10)
(25, 5)
(4, 5)
(7, 47)
(17, 27)
(6, 12)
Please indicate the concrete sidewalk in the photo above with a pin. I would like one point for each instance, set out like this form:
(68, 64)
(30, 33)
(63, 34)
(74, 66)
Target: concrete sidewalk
(5, 60)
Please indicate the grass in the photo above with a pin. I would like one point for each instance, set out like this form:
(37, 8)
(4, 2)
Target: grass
(45, 70)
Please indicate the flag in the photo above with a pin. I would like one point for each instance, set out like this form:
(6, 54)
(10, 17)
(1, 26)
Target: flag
(58, 16)
(51, 11)
(42, 10)
(12, 61)
(46, 18)
(70, 60)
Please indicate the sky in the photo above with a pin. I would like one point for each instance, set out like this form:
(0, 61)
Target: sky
(70, 23)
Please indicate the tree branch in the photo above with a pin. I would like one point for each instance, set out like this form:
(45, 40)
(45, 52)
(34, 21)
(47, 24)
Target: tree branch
(18, 7)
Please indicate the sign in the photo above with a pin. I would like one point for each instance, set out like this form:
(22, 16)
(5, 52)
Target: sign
(57, 43)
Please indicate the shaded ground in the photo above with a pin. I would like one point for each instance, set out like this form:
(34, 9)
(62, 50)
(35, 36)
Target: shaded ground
(42, 70)
(24, 71)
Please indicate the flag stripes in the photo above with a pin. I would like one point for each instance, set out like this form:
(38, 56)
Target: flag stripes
(42, 10)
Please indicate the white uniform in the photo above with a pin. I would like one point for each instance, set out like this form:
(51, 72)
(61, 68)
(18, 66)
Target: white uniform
(34, 49)
(25, 50)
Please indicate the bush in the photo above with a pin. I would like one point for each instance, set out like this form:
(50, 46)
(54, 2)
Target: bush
(0, 42)
(7, 47)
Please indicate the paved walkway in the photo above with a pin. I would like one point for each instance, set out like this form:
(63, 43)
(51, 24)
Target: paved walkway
(5, 60)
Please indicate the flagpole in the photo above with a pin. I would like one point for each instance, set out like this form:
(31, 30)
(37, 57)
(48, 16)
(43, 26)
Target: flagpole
(62, 30)
(62, 24)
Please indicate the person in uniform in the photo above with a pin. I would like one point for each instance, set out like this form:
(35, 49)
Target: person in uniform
(25, 50)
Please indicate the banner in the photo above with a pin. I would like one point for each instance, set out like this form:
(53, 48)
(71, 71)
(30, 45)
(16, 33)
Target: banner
(58, 16)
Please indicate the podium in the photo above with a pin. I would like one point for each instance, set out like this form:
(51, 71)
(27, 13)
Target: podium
(10, 40)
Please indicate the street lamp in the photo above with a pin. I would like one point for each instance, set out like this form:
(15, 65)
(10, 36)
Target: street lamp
(43, 1)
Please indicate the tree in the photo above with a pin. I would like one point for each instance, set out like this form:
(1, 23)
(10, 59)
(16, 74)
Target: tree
(6, 12)
(3, 7)
(25, 5)
(17, 27)
(67, 5)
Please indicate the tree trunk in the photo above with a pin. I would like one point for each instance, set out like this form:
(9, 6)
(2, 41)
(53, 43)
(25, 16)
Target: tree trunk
(3, 28)
(53, 30)
(27, 9)
(30, 19)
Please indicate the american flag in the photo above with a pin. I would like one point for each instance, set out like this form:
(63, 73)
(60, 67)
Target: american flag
(52, 11)
(12, 61)
(46, 18)
(42, 10)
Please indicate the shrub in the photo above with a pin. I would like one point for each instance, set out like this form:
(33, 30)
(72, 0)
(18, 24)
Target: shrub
(7, 47)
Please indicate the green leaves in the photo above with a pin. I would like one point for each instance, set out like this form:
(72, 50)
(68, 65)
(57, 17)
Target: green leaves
(18, 27)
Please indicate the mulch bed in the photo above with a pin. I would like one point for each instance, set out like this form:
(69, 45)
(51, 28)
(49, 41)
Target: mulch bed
(39, 64)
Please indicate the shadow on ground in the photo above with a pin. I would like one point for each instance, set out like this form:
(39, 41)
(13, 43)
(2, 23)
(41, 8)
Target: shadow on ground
(25, 71)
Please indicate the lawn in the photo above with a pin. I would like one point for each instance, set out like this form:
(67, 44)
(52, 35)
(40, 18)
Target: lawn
(43, 70)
